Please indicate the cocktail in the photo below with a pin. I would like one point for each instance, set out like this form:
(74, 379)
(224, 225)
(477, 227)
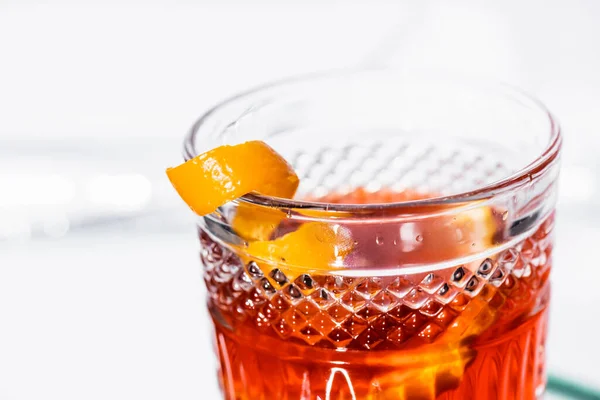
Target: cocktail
(413, 260)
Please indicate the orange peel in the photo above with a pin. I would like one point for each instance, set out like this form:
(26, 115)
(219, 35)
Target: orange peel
(314, 246)
(226, 173)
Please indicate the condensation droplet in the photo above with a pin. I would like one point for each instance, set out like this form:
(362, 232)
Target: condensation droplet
(504, 215)
(419, 238)
(379, 240)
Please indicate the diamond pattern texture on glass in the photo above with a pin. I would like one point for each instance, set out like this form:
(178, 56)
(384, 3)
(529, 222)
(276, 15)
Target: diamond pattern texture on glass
(367, 312)
(399, 164)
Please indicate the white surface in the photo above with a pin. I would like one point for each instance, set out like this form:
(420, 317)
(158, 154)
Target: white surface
(573, 337)
(94, 69)
(97, 69)
(104, 317)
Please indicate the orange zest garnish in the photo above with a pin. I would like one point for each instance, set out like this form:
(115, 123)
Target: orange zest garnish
(225, 173)
(254, 223)
(313, 246)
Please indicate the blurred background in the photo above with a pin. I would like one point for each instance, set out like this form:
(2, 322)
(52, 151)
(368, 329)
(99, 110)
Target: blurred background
(100, 288)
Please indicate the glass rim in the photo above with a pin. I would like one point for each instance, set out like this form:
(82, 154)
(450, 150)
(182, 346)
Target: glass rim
(515, 180)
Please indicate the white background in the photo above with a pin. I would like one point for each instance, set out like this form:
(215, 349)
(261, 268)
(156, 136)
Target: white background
(101, 297)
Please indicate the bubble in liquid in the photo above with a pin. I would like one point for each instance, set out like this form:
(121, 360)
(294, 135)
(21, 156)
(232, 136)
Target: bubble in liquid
(379, 239)
(459, 234)
(419, 238)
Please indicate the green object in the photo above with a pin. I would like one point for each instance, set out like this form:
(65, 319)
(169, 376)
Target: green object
(563, 389)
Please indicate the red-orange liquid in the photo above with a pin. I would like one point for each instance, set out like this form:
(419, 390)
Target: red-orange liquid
(326, 337)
